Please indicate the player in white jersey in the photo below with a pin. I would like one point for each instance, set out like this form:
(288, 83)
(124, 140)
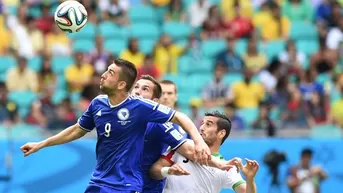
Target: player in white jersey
(203, 179)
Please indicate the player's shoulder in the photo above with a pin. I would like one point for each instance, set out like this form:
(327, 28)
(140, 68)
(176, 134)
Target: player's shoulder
(100, 98)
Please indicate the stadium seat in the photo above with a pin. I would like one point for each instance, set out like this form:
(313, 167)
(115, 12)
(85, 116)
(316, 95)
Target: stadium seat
(241, 46)
(326, 131)
(184, 99)
(58, 96)
(147, 45)
(144, 30)
(87, 32)
(26, 130)
(179, 80)
(23, 99)
(115, 46)
(75, 97)
(6, 62)
(248, 115)
(61, 82)
(176, 30)
(196, 82)
(142, 13)
(60, 63)
(301, 30)
(187, 65)
(83, 45)
(210, 48)
(34, 11)
(323, 78)
(35, 63)
(110, 30)
(309, 47)
(231, 78)
(274, 48)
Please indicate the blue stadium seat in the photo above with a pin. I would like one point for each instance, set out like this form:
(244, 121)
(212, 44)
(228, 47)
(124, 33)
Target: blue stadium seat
(301, 30)
(75, 97)
(35, 63)
(241, 46)
(23, 99)
(179, 80)
(6, 62)
(309, 47)
(58, 96)
(274, 48)
(196, 82)
(115, 46)
(34, 11)
(231, 78)
(147, 45)
(145, 30)
(87, 32)
(188, 65)
(110, 30)
(60, 63)
(142, 13)
(326, 131)
(323, 78)
(83, 45)
(61, 82)
(210, 48)
(248, 115)
(184, 99)
(177, 30)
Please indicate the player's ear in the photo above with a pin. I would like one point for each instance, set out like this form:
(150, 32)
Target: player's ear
(121, 85)
(222, 133)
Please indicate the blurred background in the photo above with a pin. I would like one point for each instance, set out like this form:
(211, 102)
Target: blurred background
(274, 66)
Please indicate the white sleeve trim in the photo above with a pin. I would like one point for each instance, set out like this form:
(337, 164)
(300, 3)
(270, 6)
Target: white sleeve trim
(89, 130)
(181, 143)
(171, 116)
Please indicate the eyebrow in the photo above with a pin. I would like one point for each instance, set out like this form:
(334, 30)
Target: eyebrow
(210, 121)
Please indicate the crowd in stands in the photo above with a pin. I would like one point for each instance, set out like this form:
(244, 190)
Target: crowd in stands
(269, 64)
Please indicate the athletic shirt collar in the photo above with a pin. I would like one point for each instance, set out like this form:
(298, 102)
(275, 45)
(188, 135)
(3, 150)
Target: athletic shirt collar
(217, 155)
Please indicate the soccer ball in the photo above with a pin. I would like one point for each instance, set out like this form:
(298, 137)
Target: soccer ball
(71, 16)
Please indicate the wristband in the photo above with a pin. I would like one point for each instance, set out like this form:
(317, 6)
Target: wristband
(164, 172)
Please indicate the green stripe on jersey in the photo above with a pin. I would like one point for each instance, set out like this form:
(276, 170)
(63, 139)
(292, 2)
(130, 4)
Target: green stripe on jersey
(237, 184)
(217, 155)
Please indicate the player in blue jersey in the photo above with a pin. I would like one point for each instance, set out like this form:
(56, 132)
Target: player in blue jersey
(169, 135)
(120, 121)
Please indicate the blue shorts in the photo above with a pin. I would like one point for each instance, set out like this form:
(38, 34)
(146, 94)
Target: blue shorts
(101, 189)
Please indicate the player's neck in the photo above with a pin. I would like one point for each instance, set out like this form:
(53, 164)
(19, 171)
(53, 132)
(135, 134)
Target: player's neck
(117, 98)
(214, 149)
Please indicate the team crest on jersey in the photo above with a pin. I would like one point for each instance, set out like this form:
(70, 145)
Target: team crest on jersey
(123, 114)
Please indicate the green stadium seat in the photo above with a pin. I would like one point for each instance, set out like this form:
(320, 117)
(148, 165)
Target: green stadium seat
(83, 45)
(274, 48)
(144, 30)
(35, 63)
(58, 96)
(60, 63)
(196, 82)
(6, 62)
(241, 46)
(231, 78)
(61, 82)
(309, 47)
(177, 30)
(249, 115)
(147, 45)
(301, 30)
(23, 99)
(87, 32)
(115, 46)
(110, 30)
(184, 99)
(179, 80)
(326, 131)
(323, 78)
(188, 65)
(142, 13)
(210, 48)
(75, 97)
(34, 11)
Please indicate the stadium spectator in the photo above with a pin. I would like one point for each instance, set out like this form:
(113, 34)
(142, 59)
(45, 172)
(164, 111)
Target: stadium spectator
(213, 27)
(8, 109)
(65, 116)
(323, 11)
(253, 59)
(22, 78)
(305, 177)
(57, 43)
(132, 53)
(269, 77)
(5, 35)
(46, 22)
(47, 78)
(264, 122)
(215, 93)
(79, 74)
(240, 26)
(149, 68)
(297, 10)
(166, 55)
(317, 110)
(276, 26)
(334, 37)
(198, 12)
(292, 59)
(89, 92)
(227, 8)
(237, 123)
(247, 93)
(176, 12)
(98, 56)
(332, 20)
(229, 58)
(337, 109)
(322, 61)
(115, 10)
(160, 3)
(308, 85)
(36, 116)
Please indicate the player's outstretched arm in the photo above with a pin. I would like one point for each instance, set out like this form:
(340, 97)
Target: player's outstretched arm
(249, 170)
(70, 134)
(162, 168)
(202, 151)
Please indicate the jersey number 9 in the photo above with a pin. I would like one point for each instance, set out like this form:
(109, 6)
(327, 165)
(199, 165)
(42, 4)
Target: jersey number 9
(107, 129)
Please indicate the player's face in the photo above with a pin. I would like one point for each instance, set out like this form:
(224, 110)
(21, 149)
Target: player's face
(169, 96)
(109, 82)
(144, 88)
(208, 130)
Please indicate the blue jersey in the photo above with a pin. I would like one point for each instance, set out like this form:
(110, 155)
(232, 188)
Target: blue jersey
(158, 138)
(121, 129)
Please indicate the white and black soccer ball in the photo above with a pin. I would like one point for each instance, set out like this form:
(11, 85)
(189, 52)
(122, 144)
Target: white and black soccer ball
(71, 16)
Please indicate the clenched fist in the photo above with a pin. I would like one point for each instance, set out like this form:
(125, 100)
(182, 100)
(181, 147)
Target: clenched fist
(30, 148)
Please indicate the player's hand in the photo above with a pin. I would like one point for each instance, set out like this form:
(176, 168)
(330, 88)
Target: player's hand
(202, 153)
(30, 148)
(177, 170)
(249, 169)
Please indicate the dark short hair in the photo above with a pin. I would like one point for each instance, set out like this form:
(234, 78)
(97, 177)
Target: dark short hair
(157, 91)
(306, 152)
(169, 82)
(223, 123)
(128, 72)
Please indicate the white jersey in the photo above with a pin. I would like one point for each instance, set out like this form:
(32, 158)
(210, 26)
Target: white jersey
(202, 179)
